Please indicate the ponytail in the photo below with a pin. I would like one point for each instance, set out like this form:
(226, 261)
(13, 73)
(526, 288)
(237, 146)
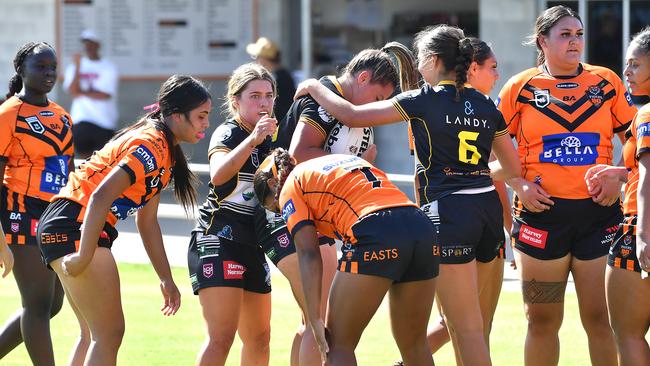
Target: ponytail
(404, 62)
(278, 165)
(15, 85)
(463, 61)
(285, 164)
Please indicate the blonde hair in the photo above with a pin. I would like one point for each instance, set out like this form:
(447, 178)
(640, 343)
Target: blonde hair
(239, 80)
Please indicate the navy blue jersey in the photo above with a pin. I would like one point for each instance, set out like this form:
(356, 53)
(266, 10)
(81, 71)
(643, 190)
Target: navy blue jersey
(229, 208)
(453, 140)
(307, 110)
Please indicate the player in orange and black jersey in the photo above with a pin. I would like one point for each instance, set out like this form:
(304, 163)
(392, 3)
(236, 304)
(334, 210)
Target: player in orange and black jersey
(385, 238)
(564, 115)
(455, 129)
(36, 151)
(226, 263)
(123, 179)
(628, 286)
(308, 131)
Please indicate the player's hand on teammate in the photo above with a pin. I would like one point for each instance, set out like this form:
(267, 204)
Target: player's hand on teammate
(604, 183)
(370, 154)
(303, 88)
(73, 264)
(265, 127)
(319, 330)
(171, 297)
(532, 196)
(6, 260)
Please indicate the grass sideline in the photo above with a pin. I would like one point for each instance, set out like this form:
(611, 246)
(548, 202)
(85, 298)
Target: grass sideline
(152, 339)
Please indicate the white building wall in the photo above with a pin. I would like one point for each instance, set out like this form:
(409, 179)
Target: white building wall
(23, 21)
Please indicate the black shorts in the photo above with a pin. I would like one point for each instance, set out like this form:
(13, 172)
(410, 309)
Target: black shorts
(59, 231)
(622, 253)
(581, 227)
(20, 223)
(88, 137)
(398, 243)
(274, 237)
(470, 226)
(218, 262)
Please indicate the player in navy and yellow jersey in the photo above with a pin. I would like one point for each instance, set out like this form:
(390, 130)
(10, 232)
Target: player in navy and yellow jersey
(628, 291)
(373, 74)
(36, 151)
(455, 129)
(388, 246)
(227, 267)
(482, 75)
(122, 179)
(564, 115)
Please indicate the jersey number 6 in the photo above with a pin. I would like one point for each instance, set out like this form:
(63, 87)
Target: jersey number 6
(468, 153)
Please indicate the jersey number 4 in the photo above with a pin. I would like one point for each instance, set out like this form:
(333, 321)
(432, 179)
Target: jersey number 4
(468, 153)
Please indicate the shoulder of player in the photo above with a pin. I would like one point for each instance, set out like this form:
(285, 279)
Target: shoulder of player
(601, 71)
(10, 107)
(151, 138)
(643, 115)
(228, 130)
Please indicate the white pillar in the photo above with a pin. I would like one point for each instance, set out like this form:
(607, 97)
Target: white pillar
(306, 38)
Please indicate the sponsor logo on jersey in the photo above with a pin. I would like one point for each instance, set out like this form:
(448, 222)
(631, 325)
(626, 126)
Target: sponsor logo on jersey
(46, 113)
(283, 240)
(65, 121)
(255, 158)
(467, 121)
(542, 98)
(288, 210)
(247, 196)
(15, 227)
(643, 130)
(595, 95)
(55, 173)
(208, 270)
(570, 149)
(532, 236)
(324, 116)
(226, 232)
(146, 158)
(233, 270)
(15, 216)
(35, 124)
(33, 227)
(497, 102)
(567, 85)
(628, 97)
(223, 133)
(124, 207)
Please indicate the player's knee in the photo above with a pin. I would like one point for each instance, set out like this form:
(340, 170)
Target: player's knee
(541, 321)
(259, 339)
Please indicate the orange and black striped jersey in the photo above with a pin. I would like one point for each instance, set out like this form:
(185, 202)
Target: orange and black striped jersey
(565, 125)
(333, 192)
(637, 143)
(453, 140)
(36, 144)
(143, 153)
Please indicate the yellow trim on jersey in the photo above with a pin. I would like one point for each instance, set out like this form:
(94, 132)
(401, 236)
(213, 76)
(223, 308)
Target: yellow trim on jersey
(501, 133)
(311, 122)
(337, 85)
(451, 82)
(401, 110)
(424, 123)
(218, 149)
(242, 125)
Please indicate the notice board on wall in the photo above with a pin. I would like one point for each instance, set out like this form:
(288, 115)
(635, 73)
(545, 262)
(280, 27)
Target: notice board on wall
(150, 39)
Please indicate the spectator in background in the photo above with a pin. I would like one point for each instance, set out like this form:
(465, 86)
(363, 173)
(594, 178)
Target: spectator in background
(267, 54)
(93, 82)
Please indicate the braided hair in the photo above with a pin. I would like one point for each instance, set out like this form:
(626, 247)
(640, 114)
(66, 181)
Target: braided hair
(451, 46)
(16, 81)
(283, 165)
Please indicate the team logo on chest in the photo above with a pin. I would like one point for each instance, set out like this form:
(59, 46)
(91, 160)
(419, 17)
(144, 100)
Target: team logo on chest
(595, 95)
(542, 98)
(255, 159)
(35, 124)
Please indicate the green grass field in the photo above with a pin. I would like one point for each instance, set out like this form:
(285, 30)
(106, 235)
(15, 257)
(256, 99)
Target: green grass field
(152, 339)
